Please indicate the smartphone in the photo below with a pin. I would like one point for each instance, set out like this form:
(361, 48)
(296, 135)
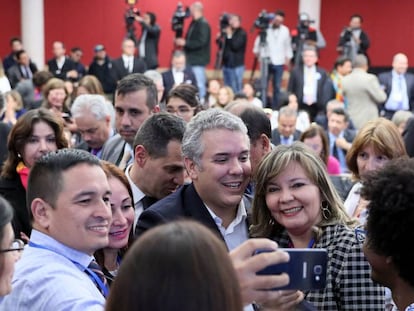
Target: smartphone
(306, 268)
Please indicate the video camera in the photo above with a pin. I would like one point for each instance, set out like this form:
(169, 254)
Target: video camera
(129, 16)
(263, 20)
(177, 21)
(303, 25)
(224, 21)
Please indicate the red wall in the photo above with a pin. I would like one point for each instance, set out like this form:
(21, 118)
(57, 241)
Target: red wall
(86, 23)
(388, 24)
(10, 24)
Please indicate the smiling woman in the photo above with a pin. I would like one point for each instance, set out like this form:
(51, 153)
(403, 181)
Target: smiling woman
(35, 133)
(120, 233)
(296, 205)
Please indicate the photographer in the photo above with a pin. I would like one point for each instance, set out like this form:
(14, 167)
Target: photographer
(148, 42)
(353, 39)
(234, 39)
(277, 47)
(197, 45)
(303, 36)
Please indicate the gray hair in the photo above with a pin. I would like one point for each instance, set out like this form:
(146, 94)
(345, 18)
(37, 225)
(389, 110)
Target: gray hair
(95, 104)
(287, 112)
(360, 61)
(153, 75)
(204, 121)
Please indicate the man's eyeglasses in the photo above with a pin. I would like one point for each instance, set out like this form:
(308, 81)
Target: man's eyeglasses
(16, 245)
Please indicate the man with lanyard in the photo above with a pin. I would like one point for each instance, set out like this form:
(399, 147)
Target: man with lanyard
(71, 221)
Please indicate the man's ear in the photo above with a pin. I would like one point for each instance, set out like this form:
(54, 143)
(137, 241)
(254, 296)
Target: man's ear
(141, 155)
(191, 168)
(41, 212)
(265, 144)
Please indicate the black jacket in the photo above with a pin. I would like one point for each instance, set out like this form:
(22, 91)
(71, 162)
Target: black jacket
(235, 49)
(197, 46)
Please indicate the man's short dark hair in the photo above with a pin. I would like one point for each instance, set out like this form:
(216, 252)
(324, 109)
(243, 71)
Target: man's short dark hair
(257, 123)
(45, 179)
(19, 53)
(137, 82)
(76, 49)
(157, 131)
(341, 112)
(341, 60)
(280, 13)
(391, 214)
(14, 39)
(357, 16)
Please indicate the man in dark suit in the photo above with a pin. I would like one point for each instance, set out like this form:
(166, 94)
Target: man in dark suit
(340, 136)
(399, 87)
(216, 156)
(286, 132)
(127, 63)
(311, 84)
(10, 60)
(60, 66)
(158, 167)
(148, 42)
(197, 45)
(178, 73)
(24, 69)
(135, 100)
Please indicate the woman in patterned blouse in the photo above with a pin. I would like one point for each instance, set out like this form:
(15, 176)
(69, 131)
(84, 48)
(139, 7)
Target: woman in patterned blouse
(296, 205)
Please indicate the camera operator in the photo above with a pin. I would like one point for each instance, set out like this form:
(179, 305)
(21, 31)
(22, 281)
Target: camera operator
(353, 39)
(197, 45)
(303, 36)
(148, 42)
(278, 50)
(235, 40)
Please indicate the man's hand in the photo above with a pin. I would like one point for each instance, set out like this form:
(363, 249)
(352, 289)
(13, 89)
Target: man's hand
(254, 287)
(180, 41)
(342, 143)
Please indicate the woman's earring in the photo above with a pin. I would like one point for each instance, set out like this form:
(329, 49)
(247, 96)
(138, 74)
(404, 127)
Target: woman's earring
(326, 212)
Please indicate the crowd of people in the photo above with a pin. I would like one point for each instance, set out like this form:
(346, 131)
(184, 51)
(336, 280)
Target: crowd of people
(124, 187)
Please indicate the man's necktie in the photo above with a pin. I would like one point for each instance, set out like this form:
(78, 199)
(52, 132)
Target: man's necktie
(335, 151)
(94, 271)
(124, 161)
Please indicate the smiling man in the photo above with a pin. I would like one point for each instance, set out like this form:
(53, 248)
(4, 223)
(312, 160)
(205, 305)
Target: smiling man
(70, 222)
(216, 156)
(158, 167)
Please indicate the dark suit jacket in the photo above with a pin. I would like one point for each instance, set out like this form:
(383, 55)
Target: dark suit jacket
(151, 45)
(385, 80)
(363, 46)
(15, 73)
(276, 136)
(13, 191)
(119, 71)
(61, 74)
(349, 136)
(325, 90)
(183, 204)
(168, 79)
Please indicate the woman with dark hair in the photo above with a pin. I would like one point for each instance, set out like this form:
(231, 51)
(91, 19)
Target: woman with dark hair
(10, 248)
(176, 266)
(183, 101)
(35, 133)
(316, 139)
(376, 143)
(120, 231)
(296, 205)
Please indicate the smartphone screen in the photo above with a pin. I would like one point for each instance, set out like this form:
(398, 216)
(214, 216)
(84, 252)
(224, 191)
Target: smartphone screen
(306, 268)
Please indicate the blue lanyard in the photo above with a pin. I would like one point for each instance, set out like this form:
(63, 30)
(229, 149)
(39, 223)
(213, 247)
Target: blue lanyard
(97, 279)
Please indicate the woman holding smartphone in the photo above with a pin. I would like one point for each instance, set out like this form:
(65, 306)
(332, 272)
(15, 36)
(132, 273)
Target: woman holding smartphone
(296, 205)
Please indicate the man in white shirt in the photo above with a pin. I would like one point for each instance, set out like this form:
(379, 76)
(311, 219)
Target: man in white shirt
(278, 49)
